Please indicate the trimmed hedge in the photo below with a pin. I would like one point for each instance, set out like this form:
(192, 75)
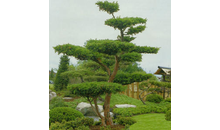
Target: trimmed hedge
(128, 112)
(154, 98)
(63, 113)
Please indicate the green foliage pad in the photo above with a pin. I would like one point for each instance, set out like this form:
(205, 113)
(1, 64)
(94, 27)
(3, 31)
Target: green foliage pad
(94, 89)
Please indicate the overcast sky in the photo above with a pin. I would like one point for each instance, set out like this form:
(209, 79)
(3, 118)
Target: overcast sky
(74, 22)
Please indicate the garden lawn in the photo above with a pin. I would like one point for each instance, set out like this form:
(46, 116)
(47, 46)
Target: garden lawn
(153, 121)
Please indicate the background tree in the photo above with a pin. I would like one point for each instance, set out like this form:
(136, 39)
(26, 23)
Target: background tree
(51, 76)
(100, 51)
(61, 82)
(146, 86)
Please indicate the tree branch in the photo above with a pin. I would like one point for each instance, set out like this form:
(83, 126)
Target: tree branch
(92, 105)
(148, 93)
(115, 69)
(107, 69)
(113, 15)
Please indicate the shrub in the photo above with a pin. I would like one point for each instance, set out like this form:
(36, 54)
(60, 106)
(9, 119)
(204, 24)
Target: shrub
(168, 115)
(126, 120)
(168, 107)
(168, 100)
(82, 128)
(125, 112)
(150, 107)
(154, 98)
(97, 123)
(56, 126)
(80, 123)
(84, 121)
(68, 93)
(57, 102)
(63, 113)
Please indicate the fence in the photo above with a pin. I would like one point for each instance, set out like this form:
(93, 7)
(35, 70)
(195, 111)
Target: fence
(134, 91)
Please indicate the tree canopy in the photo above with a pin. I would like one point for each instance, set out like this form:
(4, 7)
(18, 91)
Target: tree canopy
(109, 54)
(95, 89)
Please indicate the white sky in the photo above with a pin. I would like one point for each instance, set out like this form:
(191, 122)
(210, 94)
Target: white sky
(74, 22)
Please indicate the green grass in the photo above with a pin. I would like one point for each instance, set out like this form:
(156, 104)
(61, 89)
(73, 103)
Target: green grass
(152, 121)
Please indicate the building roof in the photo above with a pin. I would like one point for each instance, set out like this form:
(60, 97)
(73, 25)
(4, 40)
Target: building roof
(163, 71)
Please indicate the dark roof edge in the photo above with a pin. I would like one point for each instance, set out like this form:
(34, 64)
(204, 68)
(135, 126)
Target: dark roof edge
(163, 67)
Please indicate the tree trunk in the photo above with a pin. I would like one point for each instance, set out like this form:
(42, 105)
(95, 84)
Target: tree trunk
(97, 111)
(81, 79)
(108, 119)
(122, 35)
(112, 77)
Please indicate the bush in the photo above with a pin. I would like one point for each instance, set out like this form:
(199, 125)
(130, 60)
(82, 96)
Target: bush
(126, 120)
(56, 126)
(63, 113)
(68, 93)
(154, 98)
(168, 115)
(150, 107)
(82, 128)
(168, 100)
(82, 123)
(97, 123)
(57, 102)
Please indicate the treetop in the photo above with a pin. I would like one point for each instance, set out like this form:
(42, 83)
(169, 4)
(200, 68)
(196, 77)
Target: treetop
(110, 8)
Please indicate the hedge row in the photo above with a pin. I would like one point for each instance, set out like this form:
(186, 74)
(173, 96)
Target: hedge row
(128, 112)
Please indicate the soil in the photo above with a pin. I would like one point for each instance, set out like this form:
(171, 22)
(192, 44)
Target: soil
(114, 127)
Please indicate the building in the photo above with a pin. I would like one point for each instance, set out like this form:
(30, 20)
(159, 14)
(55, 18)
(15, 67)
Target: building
(165, 72)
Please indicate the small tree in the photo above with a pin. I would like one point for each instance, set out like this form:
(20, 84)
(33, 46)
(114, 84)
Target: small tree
(61, 82)
(100, 51)
(147, 87)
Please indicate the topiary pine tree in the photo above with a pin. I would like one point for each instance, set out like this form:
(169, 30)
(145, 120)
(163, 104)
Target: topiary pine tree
(122, 50)
(61, 82)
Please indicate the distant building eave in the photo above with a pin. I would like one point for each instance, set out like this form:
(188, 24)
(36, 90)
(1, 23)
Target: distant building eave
(163, 71)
